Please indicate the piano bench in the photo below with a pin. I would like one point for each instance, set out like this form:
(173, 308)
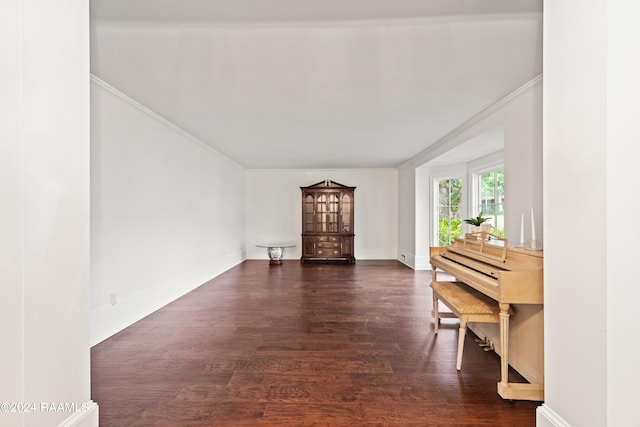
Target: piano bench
(465, 303)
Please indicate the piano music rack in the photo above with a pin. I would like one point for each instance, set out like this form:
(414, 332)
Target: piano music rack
(486, 245)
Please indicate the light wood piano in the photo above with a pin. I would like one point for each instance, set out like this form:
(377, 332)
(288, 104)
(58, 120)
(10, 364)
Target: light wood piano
(508, 276)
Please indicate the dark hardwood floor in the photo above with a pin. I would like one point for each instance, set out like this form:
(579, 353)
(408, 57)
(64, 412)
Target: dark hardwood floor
(300, 345)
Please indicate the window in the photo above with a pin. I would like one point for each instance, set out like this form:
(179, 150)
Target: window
(449, 216)
(490, 198)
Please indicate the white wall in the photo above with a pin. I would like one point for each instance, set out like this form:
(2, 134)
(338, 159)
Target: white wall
(575, 195)
(167, 212)
(523, 166)
(423, 201)
(44, 249)
(12, 221)
(623, 158)
(274, 209)
(590, 171)
(408, 205)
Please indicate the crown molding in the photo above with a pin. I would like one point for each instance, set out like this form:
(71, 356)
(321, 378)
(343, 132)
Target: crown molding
(161, 119)
(440, 143)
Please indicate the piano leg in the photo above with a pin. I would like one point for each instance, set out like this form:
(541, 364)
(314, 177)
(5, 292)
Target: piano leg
(507, 390)
(436, 314)
(461, 334)
(505, 313)
(436, 317)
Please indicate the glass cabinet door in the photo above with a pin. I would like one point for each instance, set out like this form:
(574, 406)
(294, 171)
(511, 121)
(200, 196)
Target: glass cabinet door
(334, 209)
(346, 213)
(321, 213)
(307, 219)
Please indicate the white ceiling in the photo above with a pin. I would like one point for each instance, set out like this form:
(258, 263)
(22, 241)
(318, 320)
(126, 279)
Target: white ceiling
(317, 84)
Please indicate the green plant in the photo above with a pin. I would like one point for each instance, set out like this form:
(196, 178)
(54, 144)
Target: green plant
(448, 230)
(477, 220)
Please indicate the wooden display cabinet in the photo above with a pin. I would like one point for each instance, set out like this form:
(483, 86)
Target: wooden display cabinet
(327, 222)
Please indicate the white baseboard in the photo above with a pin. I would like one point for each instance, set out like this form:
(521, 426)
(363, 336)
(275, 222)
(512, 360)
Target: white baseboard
(421, 262)
(546, 417)
(87, 417)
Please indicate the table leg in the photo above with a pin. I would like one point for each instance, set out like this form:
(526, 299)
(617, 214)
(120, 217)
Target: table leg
(275, 255)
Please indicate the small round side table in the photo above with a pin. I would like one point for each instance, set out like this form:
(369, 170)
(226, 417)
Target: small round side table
(275, 251)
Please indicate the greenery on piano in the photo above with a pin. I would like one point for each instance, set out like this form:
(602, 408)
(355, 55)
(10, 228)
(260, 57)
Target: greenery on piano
(477, 220)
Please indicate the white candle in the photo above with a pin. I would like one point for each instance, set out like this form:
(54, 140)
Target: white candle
(522, 230)
(533, 227)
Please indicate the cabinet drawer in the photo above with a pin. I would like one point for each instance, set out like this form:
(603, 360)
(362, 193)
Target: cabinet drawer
(328, 252)
(328, 244)
(327, 238)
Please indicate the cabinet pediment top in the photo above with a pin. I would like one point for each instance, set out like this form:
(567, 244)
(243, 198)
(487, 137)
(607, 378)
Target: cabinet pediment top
(327, 183)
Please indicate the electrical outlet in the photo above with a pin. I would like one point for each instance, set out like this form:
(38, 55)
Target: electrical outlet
(113, 298)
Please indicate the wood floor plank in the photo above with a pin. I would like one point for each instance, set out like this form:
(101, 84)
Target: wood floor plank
(300, 345)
